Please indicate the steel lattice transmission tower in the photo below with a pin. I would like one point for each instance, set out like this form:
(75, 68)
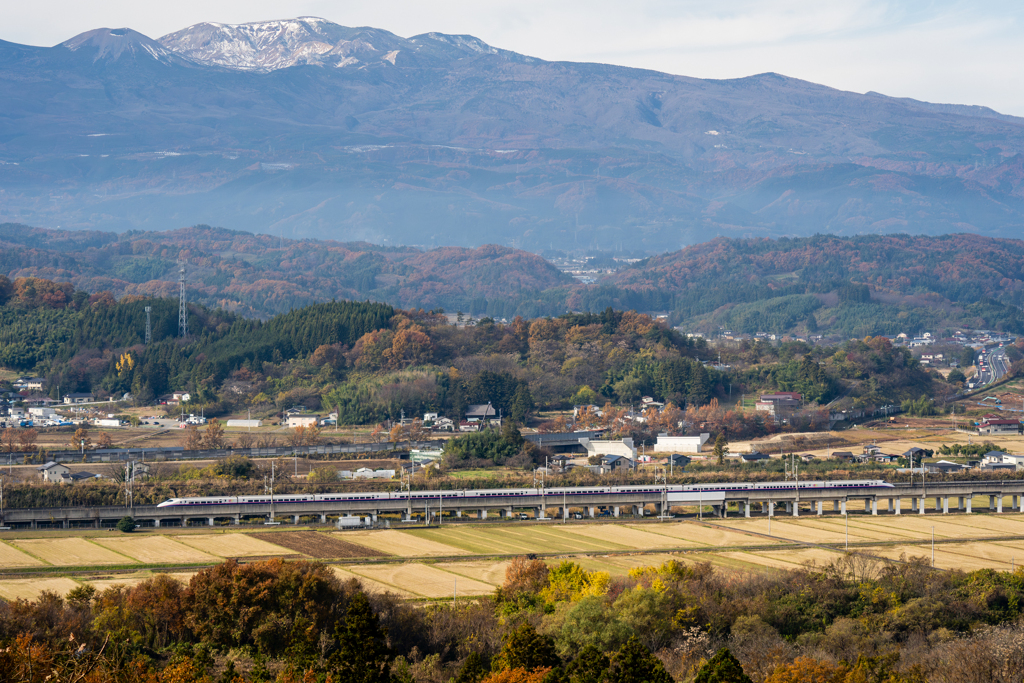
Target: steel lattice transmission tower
(182, 305)
(149, 327)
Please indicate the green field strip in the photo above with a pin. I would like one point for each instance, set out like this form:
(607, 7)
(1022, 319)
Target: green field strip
(590, 544)
(471, 542)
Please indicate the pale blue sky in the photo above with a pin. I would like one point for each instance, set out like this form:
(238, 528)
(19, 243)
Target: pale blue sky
(940, 51)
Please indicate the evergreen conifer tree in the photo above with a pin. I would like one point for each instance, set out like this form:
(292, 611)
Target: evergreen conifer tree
(363, 655)
(634, 663)
(722, 668)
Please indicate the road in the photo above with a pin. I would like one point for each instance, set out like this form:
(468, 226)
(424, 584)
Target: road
(992, 365)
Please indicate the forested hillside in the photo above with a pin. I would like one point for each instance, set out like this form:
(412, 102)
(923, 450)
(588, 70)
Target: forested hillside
(371, 362)
(850, 286)
(847, 287)
(262, 275)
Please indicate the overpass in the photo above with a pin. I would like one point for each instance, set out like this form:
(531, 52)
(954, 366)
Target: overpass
(948, 497)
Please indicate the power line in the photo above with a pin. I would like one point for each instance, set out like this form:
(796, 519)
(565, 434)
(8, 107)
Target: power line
(182, 306)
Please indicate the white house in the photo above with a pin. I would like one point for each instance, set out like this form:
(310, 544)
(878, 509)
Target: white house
(53, 472)
(302, 420)
(681, 444)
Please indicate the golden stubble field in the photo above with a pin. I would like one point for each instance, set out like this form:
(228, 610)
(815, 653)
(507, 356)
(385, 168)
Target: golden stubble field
(473, 565)
(71, 552)
(157, 550)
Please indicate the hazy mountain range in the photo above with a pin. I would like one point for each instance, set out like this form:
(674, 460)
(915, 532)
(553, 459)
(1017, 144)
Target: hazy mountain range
(845, 286)
(304, 128)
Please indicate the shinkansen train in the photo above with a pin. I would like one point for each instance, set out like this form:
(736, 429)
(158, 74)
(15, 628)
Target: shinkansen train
(674, 492)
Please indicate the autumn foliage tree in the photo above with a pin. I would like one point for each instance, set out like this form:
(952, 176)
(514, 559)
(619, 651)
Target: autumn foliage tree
(524, 575)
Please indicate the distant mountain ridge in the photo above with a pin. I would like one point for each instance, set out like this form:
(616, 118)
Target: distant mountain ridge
(841, 286)
(272, 45)
(304, 128)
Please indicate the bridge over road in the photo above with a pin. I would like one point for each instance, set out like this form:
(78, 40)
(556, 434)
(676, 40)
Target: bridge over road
(785, 499)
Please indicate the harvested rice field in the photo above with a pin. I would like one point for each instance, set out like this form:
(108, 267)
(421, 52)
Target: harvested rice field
(71, 552)
(946, 557)
(370, 585)
(991, 525)
(402, 543)
(102, 584)
(13, 558)
(156, 550)
(691, 534)
(945, 527)
(486, 571)
(803, 531)
(29, 589)
(421, 579)
(787, 559)
(233, 545)
(640, 538)
(518, 540)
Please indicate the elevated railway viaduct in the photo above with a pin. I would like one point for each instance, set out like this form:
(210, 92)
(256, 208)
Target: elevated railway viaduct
(948, 497)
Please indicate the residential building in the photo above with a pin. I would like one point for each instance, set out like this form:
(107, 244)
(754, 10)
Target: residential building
(53, 472)
(678, 460)
(779, 405)
(610, 463)
(84, 397)
(999, 426)
(443, 424)
(754, 456)
(943, 467)
(302, 420)
(481, 412)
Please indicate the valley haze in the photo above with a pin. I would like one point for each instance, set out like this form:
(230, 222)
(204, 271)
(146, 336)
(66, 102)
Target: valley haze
(304, 128)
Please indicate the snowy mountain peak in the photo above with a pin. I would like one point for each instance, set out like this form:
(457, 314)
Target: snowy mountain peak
(270, 45)
(467, 43)
(113, 44)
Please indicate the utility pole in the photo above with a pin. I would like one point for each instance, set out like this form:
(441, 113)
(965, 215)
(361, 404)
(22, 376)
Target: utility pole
(273, 464)
(128, 484)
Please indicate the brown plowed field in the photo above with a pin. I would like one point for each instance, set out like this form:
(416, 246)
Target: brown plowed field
(318, 545)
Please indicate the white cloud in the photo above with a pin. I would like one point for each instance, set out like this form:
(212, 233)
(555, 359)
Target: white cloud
(941, 51)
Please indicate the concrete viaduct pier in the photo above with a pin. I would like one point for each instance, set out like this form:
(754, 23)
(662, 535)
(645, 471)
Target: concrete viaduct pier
(946, 497)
